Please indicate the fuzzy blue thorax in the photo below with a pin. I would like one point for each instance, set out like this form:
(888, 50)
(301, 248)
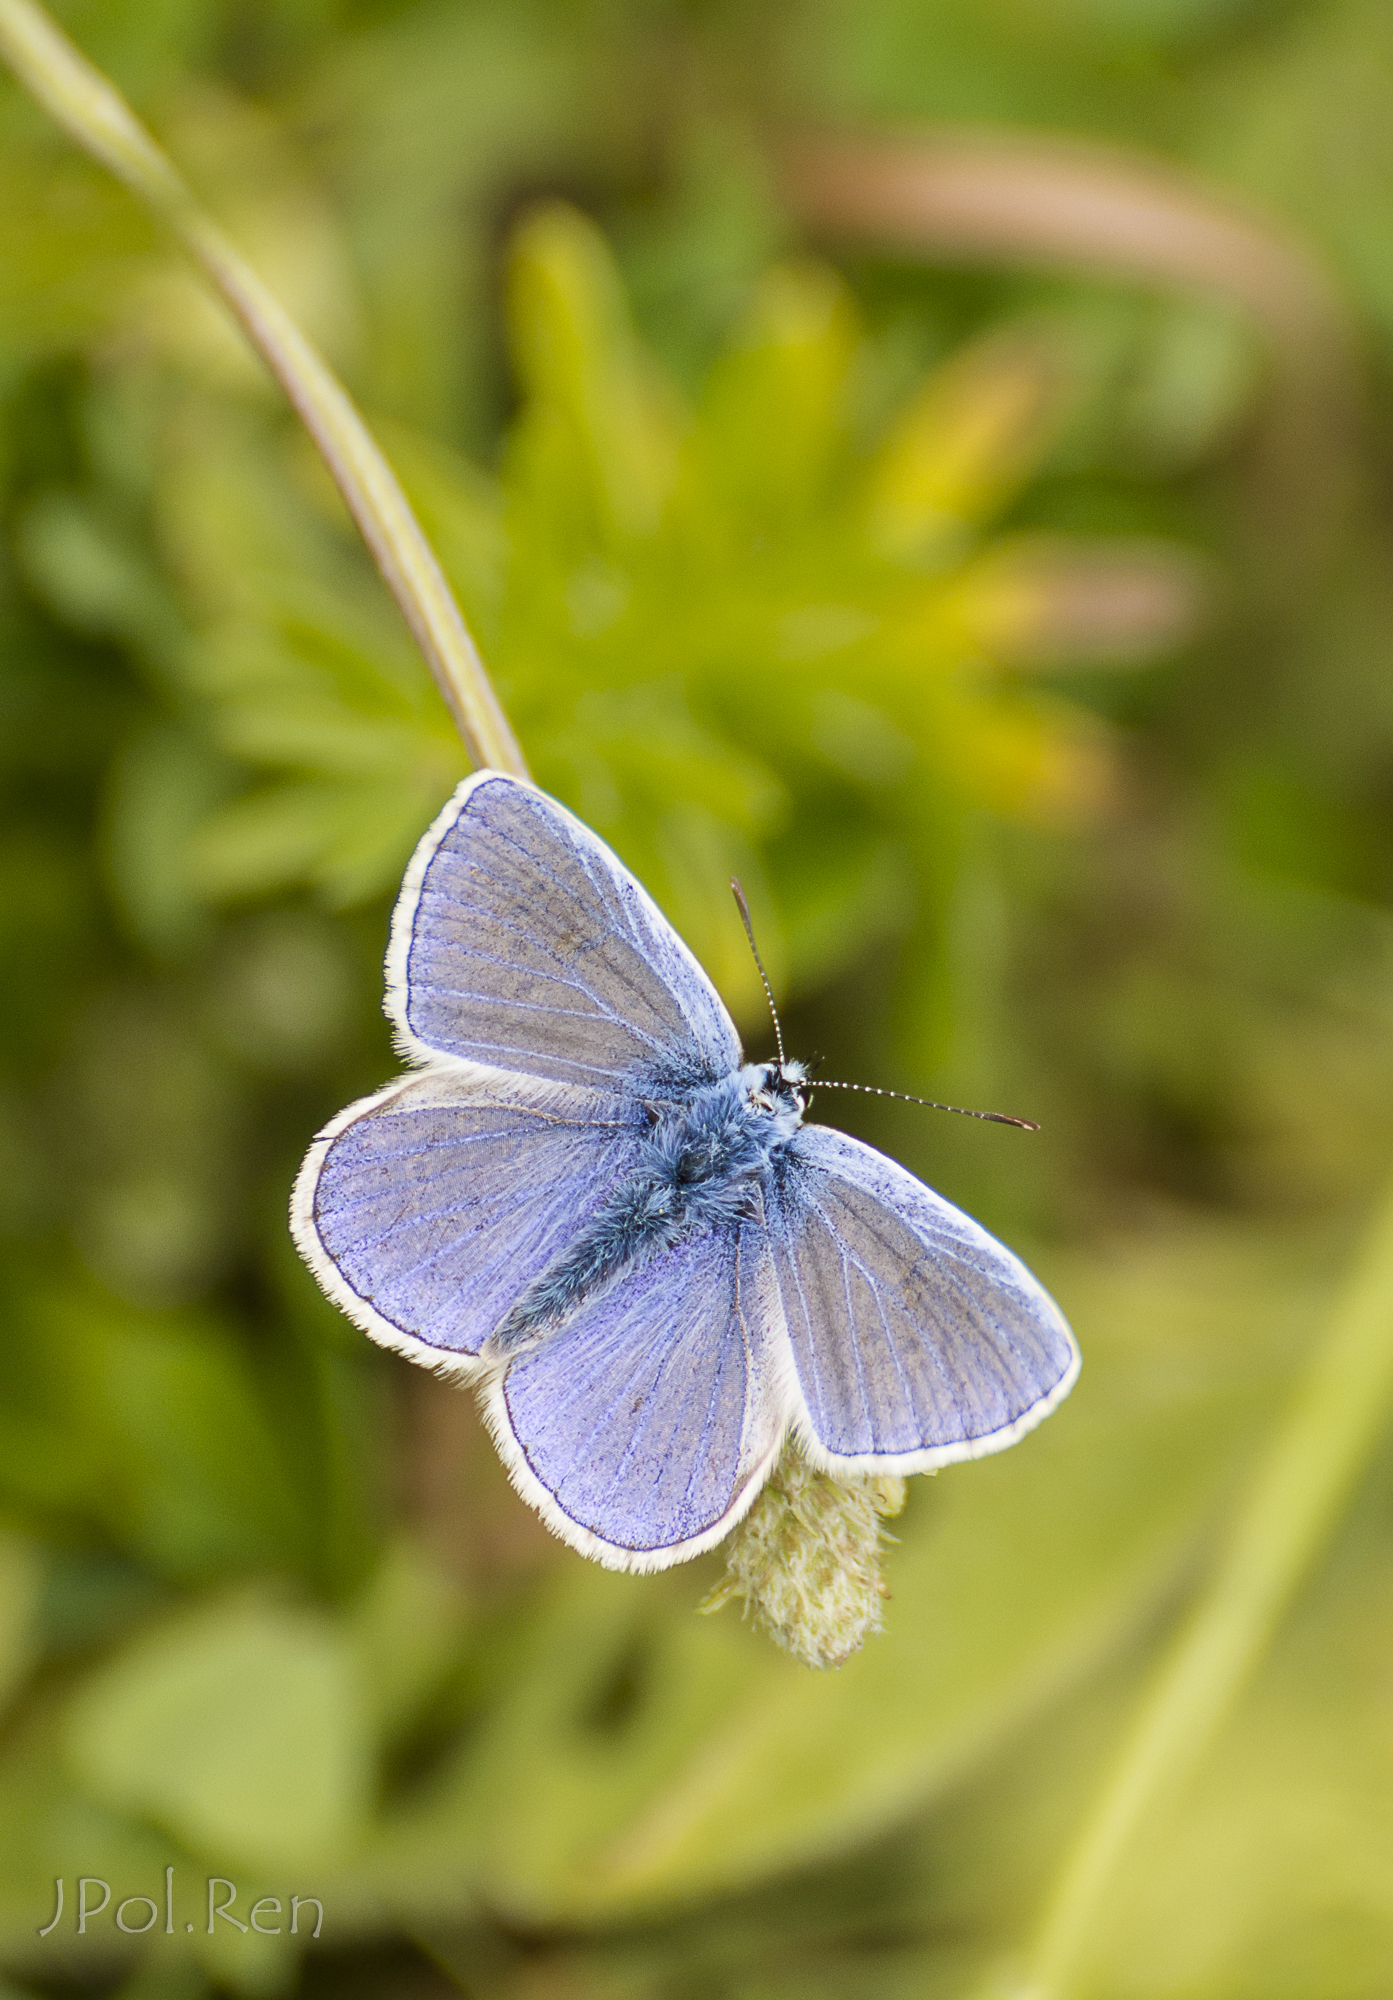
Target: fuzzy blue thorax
(699, 1168)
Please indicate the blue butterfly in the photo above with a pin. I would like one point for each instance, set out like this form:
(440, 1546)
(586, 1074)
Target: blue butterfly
(584, 1200)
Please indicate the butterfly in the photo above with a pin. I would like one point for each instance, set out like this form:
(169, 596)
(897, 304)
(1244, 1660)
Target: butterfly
(582, 1199)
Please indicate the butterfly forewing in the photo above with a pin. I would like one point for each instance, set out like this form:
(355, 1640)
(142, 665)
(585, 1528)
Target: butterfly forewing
(917, 1338)
(424, 1210)
(521, 942)
(644, 1425)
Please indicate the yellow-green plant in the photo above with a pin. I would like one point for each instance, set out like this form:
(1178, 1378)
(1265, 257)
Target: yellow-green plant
(758, 626)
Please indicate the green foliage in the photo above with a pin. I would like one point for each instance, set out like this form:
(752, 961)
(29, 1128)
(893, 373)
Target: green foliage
(88, 1399)
(241, 1730)
(961, 613)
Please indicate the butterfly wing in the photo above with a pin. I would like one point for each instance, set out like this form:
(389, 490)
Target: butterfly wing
(424, 1210)
(520, 941)
(644, 1426)
(917, 1338)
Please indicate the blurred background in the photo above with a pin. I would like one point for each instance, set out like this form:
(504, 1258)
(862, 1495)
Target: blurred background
(933, 458)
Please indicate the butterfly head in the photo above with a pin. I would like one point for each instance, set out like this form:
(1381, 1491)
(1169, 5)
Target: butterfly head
(778, 1091)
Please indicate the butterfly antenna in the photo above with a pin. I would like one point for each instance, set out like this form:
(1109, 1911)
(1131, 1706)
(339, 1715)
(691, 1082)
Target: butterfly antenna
(871, 1090)
(744, 909)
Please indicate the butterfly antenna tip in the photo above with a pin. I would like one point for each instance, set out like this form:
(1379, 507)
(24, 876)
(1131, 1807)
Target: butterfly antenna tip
(744, 909)
(958, 1110)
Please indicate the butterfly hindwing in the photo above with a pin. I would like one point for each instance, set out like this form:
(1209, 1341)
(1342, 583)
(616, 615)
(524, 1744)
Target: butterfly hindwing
(521, 942)
(642, 1428)
(424, 1210)
(917, 1339)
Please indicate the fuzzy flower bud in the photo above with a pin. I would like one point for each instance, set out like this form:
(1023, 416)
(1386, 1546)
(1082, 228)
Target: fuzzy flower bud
(806, 1559)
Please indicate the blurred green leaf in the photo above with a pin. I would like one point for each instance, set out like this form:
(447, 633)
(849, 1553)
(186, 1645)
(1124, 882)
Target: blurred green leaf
(21, 1574)
(972, 435)
(411, 1629)
(92, 574)
(149, 1424)
(1281, 1857)
(49, 1829)
(775, 415)
(597, 408)
(72, 246)
(241, 1727)
(163, 785)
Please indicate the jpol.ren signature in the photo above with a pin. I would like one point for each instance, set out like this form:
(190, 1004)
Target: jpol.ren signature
(138, 1915)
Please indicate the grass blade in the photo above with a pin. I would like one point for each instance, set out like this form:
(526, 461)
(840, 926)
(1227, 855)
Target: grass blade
(1292, 1504)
